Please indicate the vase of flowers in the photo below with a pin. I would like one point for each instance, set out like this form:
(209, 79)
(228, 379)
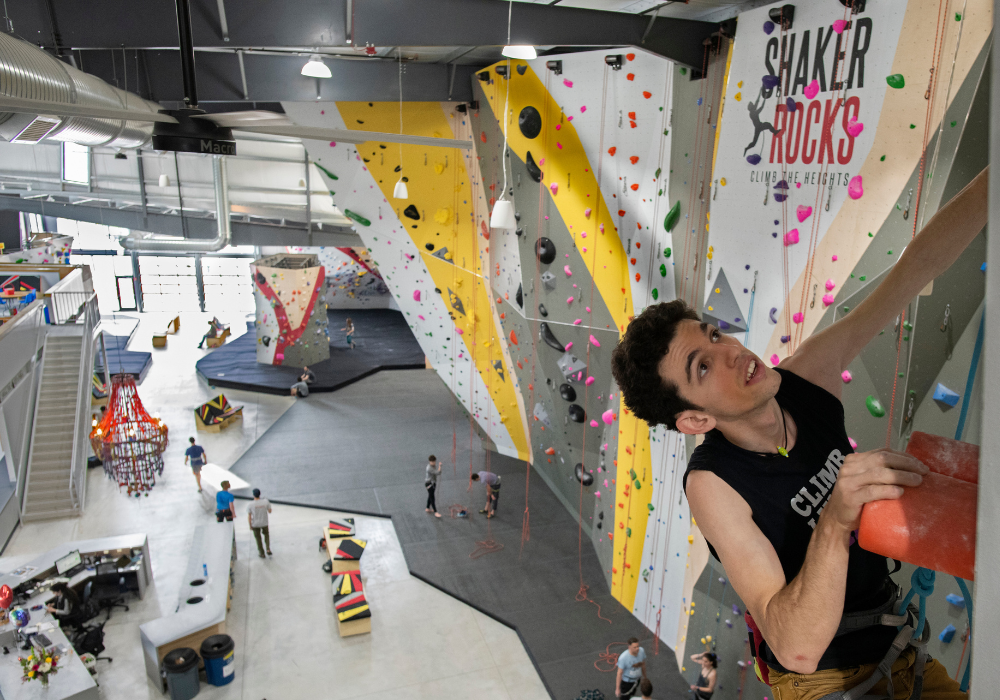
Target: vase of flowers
(39, 666)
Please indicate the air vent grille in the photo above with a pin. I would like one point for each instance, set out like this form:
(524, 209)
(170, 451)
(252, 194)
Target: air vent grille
(37, 130)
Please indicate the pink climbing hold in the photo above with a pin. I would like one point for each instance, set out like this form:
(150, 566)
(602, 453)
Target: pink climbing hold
(803, 213)
(577, 322)
(839, 25)
(855, 187)
(586, 213)
(608, 417)
(812, 89)
(569, 300)
(601, 227)
(421, 317)
(590, 380)
(598, 495)
(583, 108)
(846, 376)
(416, 295)
(554, 187)
(594, 423)
(775, 359)
(854, 128)
(568, 83)
(569, 272)
(828, 299)
(798, 317)
(854, 445)
(460, 331)
(588, 309)
(792, 237)
(834, 258)
(569, 345)
(830, 284)
(333, 143)
(593, 341)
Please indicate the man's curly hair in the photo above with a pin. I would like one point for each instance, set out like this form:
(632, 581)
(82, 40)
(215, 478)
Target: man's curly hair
(636, 358)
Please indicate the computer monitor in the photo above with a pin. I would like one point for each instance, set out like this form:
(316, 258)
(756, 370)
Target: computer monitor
(68, 562)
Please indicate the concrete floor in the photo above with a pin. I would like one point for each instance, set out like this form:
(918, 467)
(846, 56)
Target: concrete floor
(423, 643)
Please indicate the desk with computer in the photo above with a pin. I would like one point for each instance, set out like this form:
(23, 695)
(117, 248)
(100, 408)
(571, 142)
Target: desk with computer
(103, 573)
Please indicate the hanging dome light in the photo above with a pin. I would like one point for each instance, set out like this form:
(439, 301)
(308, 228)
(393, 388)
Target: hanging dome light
(524, 52)
(315, 68)
(503, 216)
(400, 191)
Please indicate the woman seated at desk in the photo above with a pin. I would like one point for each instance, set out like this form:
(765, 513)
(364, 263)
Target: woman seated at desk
(66, 605)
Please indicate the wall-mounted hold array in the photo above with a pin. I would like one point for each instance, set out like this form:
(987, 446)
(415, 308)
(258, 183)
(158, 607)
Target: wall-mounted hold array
(576, 413)
(944, 395)
(567, 392)
(411, 212)
(672, 217)
(875, 407)
(534, 172)
(583, 476)
(545, 249)
(549, 337)
(529, 121)
(896, 80)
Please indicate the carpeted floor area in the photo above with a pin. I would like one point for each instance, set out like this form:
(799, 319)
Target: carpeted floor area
(383, 340)
(367, 452)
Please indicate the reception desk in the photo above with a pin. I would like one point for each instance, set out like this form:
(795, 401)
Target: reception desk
(203, 602)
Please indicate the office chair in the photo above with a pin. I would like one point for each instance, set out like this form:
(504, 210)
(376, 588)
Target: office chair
(90, 640)
(87, 611)
(107, 592)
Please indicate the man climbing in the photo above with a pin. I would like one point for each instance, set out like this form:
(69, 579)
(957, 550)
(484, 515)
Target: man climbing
(777, 489)
(758, 127)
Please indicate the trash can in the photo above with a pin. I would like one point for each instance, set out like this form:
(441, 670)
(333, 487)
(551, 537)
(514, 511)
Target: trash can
(217, 651)
(180, 667)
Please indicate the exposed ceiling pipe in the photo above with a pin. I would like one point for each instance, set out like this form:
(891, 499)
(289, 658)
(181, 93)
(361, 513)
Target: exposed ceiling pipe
(224, 230)
(28, 72)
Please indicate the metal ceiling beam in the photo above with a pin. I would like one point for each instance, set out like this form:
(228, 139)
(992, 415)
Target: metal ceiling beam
(197, 228)
(277, 77)
(484, 23)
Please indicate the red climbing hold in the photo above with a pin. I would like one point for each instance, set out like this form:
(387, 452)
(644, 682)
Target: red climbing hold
(621, 212)
(634, 159)
(630, 56)
(485, 229)
(612, 151)
(632, 124)
(637, 277)
(631, 115)
(632, 261)
(630, 76)
(647, 94)
(550, 451)
(482, 137)
(634, 186)
(513, 337)
(638, 244)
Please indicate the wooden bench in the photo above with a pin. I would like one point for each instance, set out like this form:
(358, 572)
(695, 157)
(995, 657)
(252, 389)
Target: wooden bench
(214, 415)
(159, 340)
(174, 326)
(218, 340)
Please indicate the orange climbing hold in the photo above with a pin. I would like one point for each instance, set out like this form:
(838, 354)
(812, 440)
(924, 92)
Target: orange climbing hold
(482, 137)
(637, 277)
(647, 94)
(634, 159)
(630, 56)
(634, 186)
(612, 151)
(932, 525)
(630, 76)
(550, 451)
(621, 212)
(632, 261)
(513, 339)
(631, 115)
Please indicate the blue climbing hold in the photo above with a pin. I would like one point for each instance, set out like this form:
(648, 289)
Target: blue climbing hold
(699, 102)
(790, 104)
(753, 159)
(947, 634)
(956, 600)
(770, 81)
(768, 27)
(943, 394)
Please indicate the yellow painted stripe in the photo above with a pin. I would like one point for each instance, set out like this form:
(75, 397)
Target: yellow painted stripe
(440, 189)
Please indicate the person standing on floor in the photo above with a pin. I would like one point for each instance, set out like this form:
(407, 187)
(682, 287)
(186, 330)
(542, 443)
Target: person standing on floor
(492, 482)
(224, 504)
(631, 669)
(196, 453)
(431, 483)
(646, 689)
(349, 331)
(257, 517)
(705, 685)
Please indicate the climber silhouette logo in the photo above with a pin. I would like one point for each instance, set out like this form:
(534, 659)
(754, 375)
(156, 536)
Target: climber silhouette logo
(755, 108)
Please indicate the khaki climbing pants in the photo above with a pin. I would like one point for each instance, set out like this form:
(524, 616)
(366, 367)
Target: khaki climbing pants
(937, 684)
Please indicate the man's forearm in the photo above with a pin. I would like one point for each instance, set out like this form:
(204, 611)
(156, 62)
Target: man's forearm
(802, 618)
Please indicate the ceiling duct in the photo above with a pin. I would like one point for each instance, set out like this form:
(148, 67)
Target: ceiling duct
(27, 72)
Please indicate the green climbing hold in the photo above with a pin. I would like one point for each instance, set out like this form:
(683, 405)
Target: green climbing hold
(357, 217)
(684, 71)
(907, 326)
(628, 532)
(637, 485)
(862, 278)
(658, 171)
(913, 126)
(663, 270)
(958, 16)
(631, 473)
(874, 407)
(666, 132)
(326, 172)
(882, 158)
(906, 338)
(888, 252)
(650, 506)
(954, 123)
(672, 217)
(846, 309)
(660, 193)
(895, 80)
(655, 293)
(666, 252)
(870, 234)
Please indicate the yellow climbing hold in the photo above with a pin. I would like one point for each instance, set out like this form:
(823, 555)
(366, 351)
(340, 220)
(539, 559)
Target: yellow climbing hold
(439, 168)
(710, 308)
(738, 97)
(443, 216)
(739, 84)
(709, 637)
(448, 256)
(722, 182)
(717, 290)
(691, 541)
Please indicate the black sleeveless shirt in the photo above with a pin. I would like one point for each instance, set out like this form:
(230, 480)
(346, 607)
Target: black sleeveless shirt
(786, 495)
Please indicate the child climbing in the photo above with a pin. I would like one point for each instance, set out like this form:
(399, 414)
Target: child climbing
(776, 487)
(349, 332)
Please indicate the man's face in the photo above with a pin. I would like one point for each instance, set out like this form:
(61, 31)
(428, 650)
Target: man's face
(633, 648)
(716, 372)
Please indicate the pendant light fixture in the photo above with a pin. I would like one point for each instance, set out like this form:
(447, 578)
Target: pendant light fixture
(502, 216)
(523, 52)
(315, 68)
(400, 191)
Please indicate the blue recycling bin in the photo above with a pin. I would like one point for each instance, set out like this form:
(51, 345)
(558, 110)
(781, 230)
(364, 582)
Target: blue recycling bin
(218, 653)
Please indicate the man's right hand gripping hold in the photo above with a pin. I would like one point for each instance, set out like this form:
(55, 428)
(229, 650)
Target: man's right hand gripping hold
(776, 487)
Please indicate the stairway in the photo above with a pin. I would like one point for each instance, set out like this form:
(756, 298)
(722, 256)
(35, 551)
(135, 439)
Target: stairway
(48, 489)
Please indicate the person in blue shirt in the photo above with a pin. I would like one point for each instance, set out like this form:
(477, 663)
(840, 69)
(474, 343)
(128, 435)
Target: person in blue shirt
(224, 508)
(196, 453)
(631, 669)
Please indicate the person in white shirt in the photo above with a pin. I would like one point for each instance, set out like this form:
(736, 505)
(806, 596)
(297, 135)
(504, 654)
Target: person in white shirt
(257, 517)
(430, 483)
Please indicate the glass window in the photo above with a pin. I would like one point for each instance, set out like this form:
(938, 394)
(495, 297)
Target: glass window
(228, 285)
(168, 283)
(76, 163)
